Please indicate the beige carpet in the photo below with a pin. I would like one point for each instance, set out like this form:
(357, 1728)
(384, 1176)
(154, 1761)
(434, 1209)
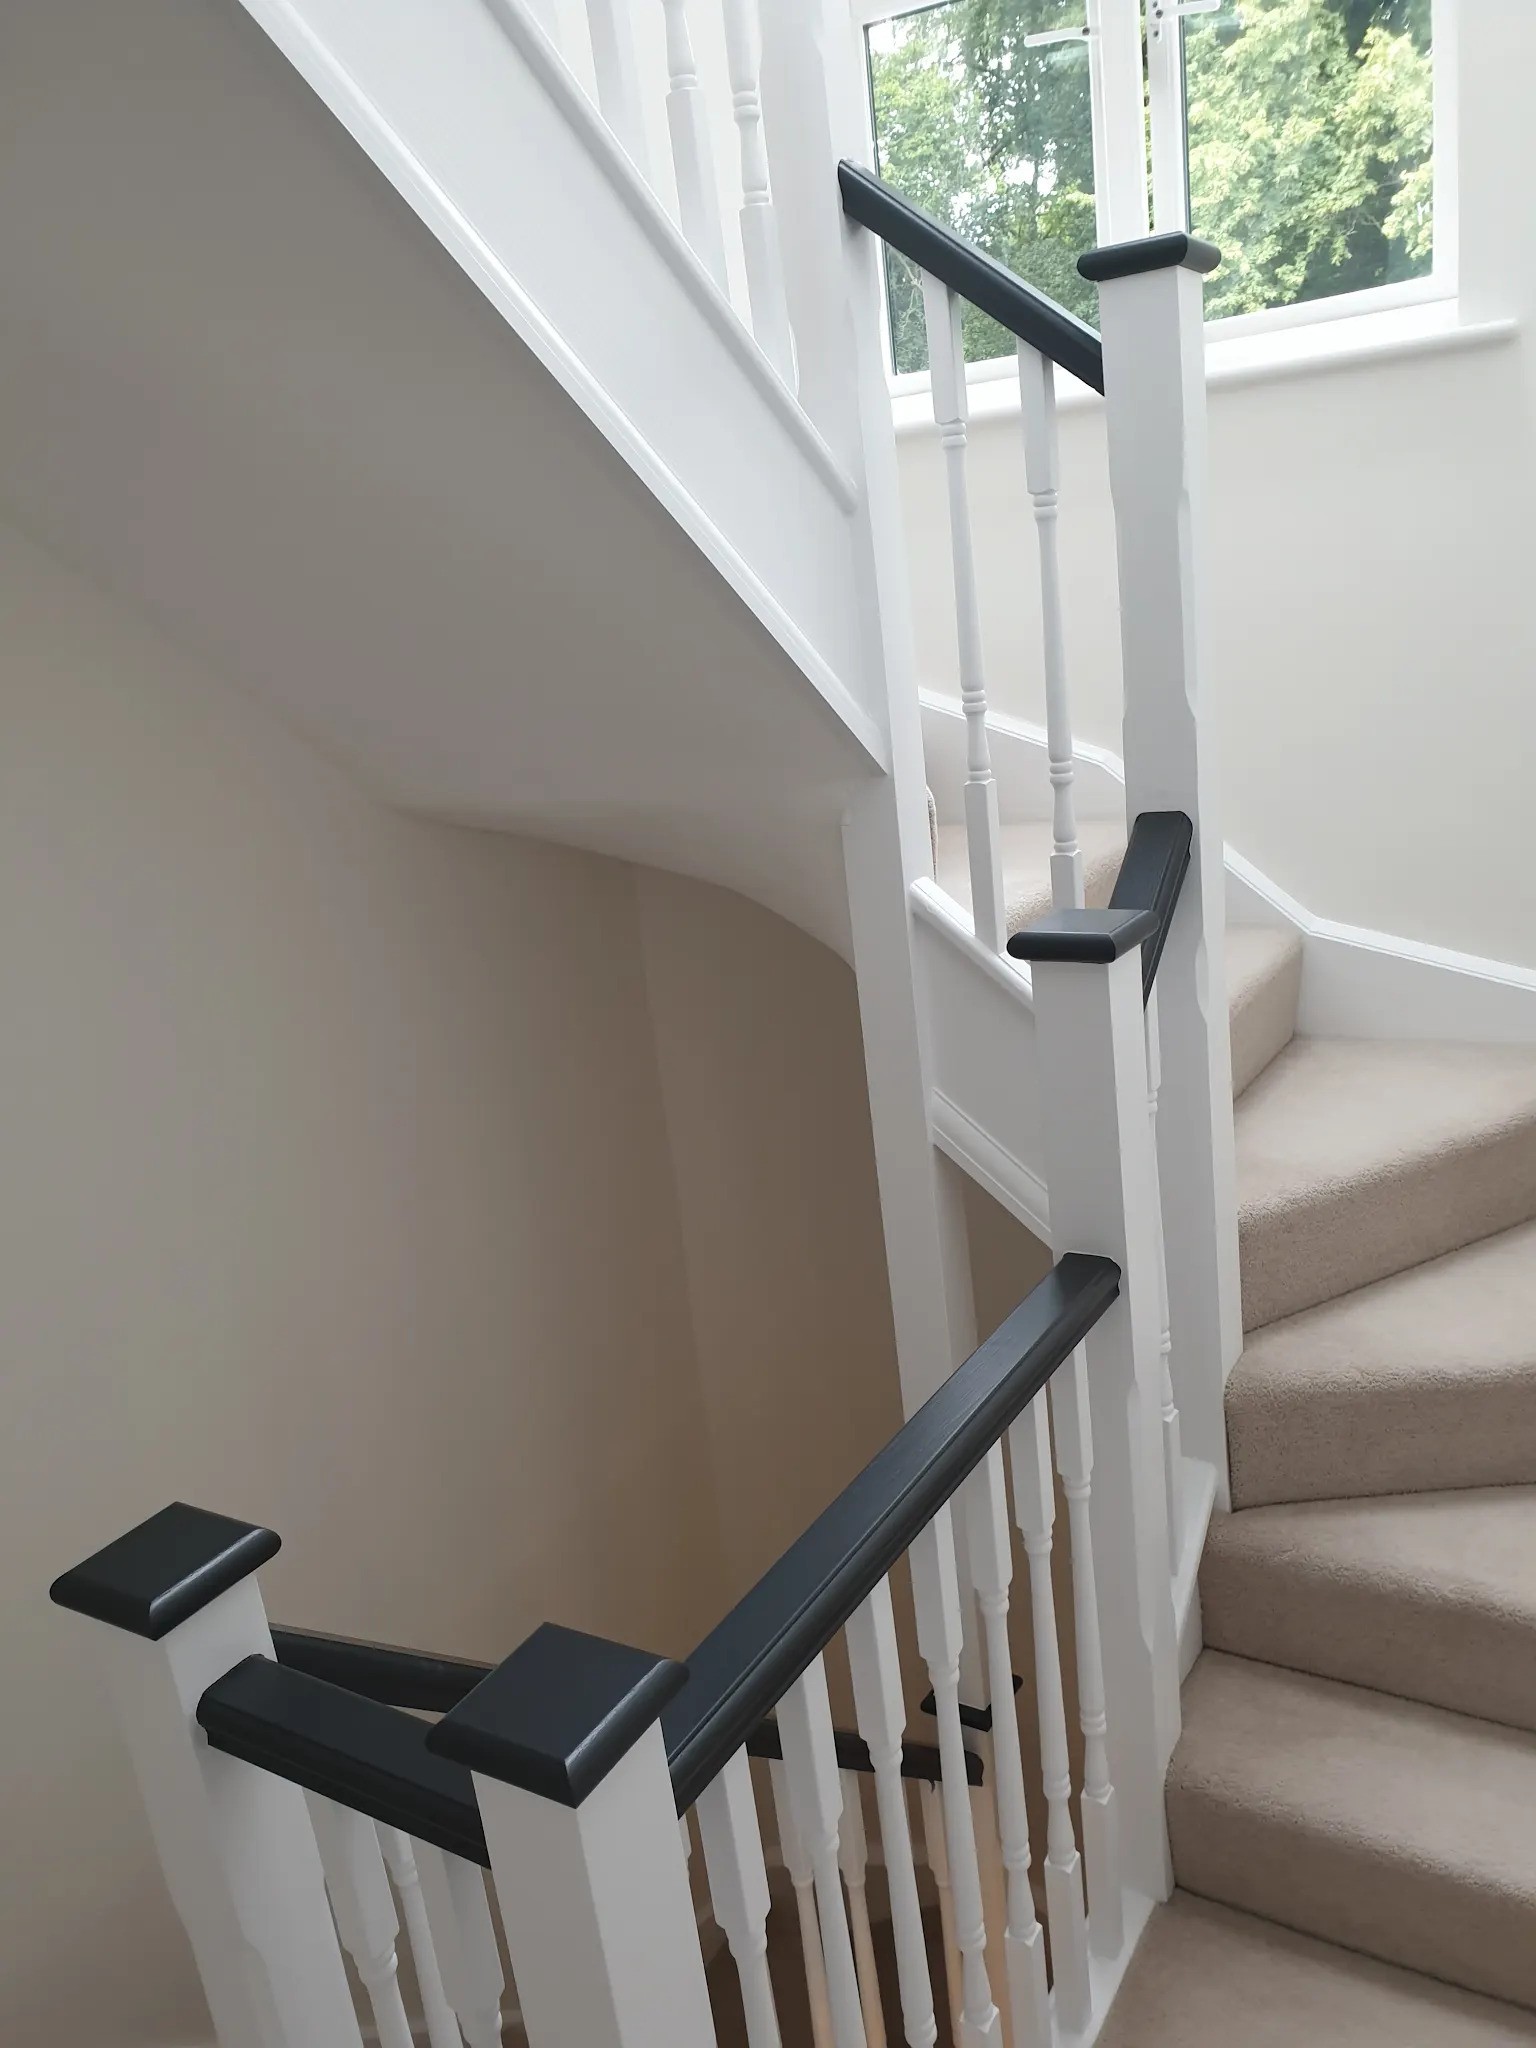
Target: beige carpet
(1353, 1798)
(1205, 1977)
(1027, 865)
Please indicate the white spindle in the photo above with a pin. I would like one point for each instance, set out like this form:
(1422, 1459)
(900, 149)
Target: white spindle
(946, 363)
(816, 1798)
(931, 1802)
(936, 1598)
(365, 1914)
(464, 1937)
(738, 1888)
(617, 71)
(1101, 1826)
(875, 1664)
(437, 2013)
(1034, 1501)
(1155, 423)
(1173, 1444)
(698, 189)
(1042, 478)
(802, 1878)
(990, 1548)
(853, 1859)
(759, 220)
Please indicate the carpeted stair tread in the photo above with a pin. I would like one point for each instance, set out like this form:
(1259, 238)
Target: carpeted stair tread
(1357, 1158)
(1426, 1380)
(1381, 1825)
(1263, 989)
(1431, 1596)
(1206, 1977)
(1027, 865)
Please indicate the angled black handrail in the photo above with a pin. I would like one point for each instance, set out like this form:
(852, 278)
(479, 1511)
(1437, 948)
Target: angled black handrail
(365, 1756)
(971, 272)
(1140, 909)
(1150, 878)
(425, 1682)
(744, 1667)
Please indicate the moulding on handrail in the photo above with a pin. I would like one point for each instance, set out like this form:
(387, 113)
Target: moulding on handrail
(976, 276)
(744, 1667)
(1151, 875)
(371, 1758)
(1085, 938)
(418, 1679)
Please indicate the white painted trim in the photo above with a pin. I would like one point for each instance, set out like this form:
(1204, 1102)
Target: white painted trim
(1105, 1973)
(1198, 1488)
(1006, 1179)
(936, 907)
(323, 71)
(1431, 326)
(1357, 983)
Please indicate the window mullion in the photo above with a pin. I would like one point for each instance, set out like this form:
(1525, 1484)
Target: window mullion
(1119, 119)
(1167, 111)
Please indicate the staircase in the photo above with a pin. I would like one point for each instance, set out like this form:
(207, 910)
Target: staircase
(721, 682)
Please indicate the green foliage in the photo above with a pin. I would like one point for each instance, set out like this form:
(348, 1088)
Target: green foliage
(1310, 147)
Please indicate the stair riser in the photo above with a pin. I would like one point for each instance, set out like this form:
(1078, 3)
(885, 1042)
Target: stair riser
(1389, 1638)
(1345, 1892)
(1296, 1256)
(1376, 1439)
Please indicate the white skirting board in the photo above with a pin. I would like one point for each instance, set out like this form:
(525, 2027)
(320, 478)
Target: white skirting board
(1356, 983)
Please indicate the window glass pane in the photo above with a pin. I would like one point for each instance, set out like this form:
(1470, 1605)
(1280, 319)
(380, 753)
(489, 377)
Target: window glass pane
(994, 137)
(1311, 136)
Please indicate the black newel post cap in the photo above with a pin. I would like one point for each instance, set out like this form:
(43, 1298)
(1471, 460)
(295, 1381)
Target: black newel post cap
(164, 1571)
(1148, 252)
(1087, 938)
(557, 1716)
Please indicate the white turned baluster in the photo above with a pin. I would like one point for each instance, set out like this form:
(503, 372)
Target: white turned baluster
(1034, 1501)
(936, 1598)
(802, 1877)
(759, 220)
(617, 71)
(1173, 1443)
(400, 1856)
(816, 1800)
(990, 1546)
(946, 362)
(875, 1664)
(698, 190)
(459, 1915)
(365, 1914)
(738, 1888)
(853, 1859)
(1101, 1824)
(1042, 478)
(931, 1802)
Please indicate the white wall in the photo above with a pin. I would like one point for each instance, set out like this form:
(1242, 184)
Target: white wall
(1372, 626)
(336, 1196)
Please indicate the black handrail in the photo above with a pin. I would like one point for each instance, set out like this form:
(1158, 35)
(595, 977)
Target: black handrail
(1150, 878)
(746, 1665)
(1140, 909)
(368, 1757)
(971, 272)
(425, 1682)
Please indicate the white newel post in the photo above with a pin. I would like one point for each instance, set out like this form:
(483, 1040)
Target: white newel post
(1154, 379)
(1098, 1152)
(236, 1845)
(564, 1741)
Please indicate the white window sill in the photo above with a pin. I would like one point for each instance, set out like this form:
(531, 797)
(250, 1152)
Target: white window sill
(1432, 328)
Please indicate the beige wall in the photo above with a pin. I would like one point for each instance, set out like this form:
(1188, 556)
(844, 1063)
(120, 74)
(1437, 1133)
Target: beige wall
(335, 1196)
(757, 1036)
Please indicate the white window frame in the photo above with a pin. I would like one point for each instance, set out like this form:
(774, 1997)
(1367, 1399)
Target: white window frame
(1113, 31)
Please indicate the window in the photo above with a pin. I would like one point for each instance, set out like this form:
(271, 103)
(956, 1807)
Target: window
(1296, 134)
